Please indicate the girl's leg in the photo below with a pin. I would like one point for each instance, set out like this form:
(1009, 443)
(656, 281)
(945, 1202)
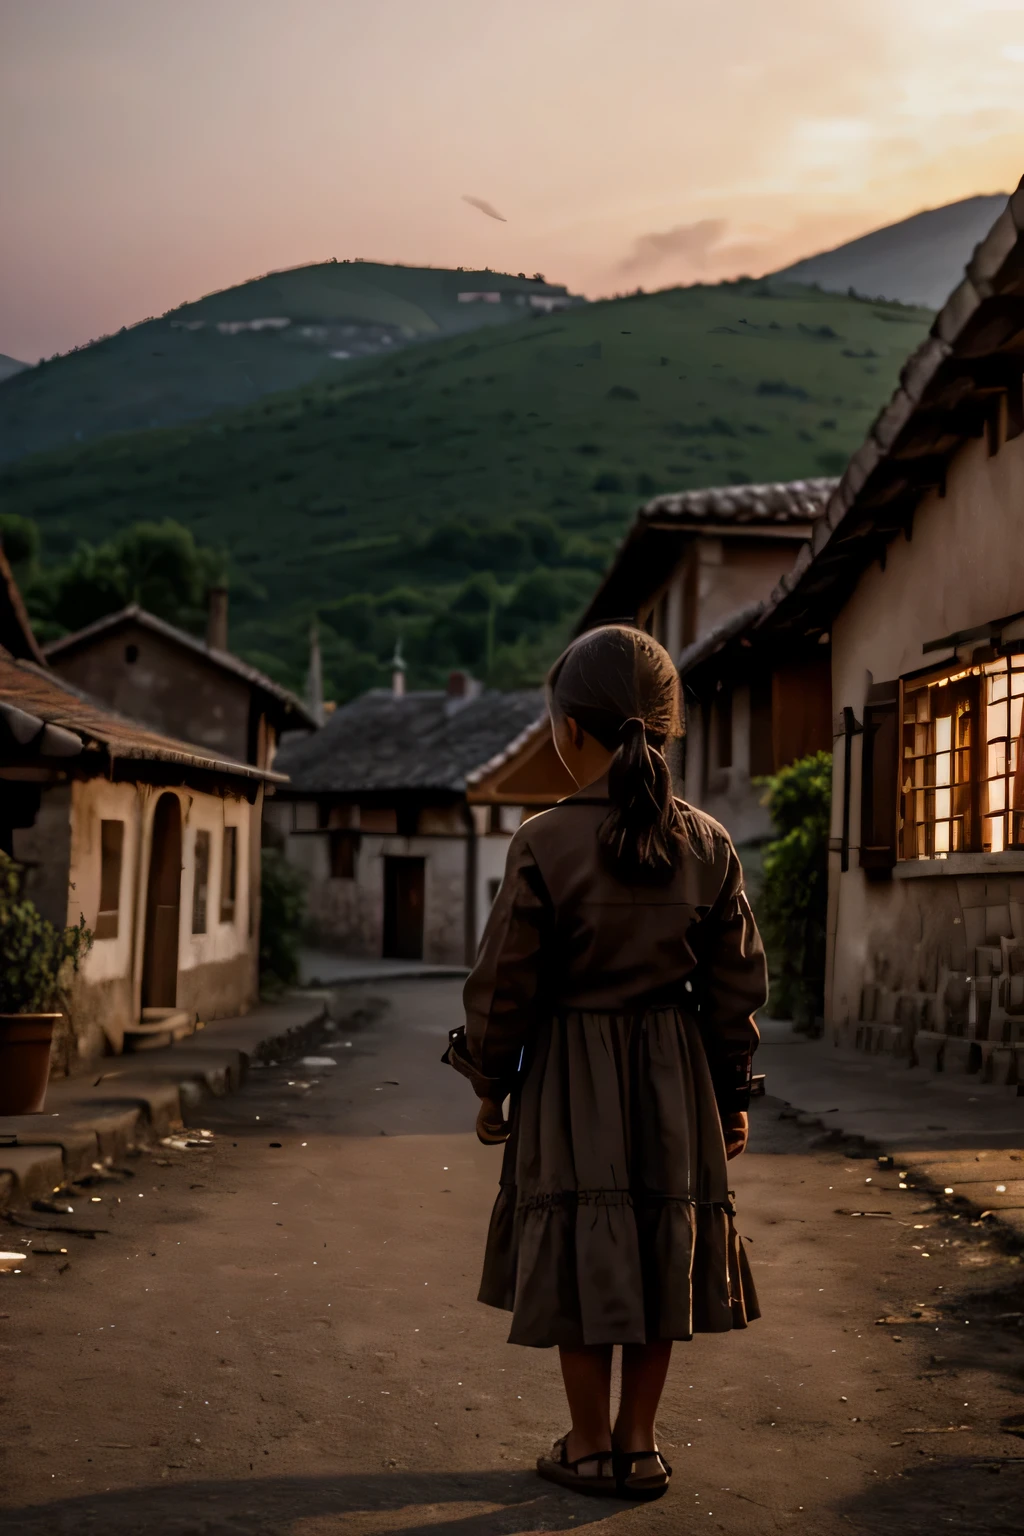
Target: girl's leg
(587, 1374)
(644, 1368)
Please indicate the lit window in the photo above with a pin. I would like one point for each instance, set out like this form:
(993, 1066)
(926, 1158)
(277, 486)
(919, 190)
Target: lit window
(963, 772)
(1003, 766)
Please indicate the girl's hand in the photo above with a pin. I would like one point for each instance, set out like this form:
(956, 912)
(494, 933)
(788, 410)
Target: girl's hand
(491, 1127)
(735, 1129)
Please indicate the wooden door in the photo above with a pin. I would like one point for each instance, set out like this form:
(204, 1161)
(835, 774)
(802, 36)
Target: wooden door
(403, 908)
(163, 901)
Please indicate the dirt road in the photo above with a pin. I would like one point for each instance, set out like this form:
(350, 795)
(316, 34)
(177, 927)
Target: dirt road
(278, 1334)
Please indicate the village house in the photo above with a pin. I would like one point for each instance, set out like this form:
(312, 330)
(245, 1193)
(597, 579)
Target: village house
(695, 569)
(154, 841)
(400, 862)
(916, 573)
(196, 690)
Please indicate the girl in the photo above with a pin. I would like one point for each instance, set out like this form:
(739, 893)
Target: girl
(612, 999)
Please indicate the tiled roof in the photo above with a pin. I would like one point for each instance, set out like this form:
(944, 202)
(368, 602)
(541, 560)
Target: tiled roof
(952, 388)
(661, 529)
(296, 714)
(416, 741)
(778, 502)
(37, 692)
(707, 645)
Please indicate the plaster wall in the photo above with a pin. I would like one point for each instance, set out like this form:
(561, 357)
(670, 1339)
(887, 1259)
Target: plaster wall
(899, 949)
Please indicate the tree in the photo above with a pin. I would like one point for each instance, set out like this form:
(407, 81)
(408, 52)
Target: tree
(157, 565)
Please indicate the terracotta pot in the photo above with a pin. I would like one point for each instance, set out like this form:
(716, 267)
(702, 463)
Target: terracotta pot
(25, 1040)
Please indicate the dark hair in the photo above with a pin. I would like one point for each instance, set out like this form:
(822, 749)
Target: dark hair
(622, 688)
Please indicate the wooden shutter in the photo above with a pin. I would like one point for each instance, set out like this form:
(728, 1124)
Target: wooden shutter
(880, 777)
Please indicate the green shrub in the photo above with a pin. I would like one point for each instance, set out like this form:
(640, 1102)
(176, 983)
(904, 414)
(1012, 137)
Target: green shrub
(35, 956)
(793, 899)
(282, 916)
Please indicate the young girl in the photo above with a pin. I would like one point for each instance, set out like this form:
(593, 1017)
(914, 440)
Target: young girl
(612, 1000)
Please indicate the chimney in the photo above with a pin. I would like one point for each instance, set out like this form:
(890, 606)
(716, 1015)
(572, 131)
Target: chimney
(315, 676)
(398, 672)
(217, 619)
(461, 689)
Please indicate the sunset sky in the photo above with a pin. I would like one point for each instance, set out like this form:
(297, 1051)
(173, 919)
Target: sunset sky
(154, 150)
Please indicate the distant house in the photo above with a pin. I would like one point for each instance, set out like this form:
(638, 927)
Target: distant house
(378, 814)
(917, 574)
(153, 840)
(190, 688)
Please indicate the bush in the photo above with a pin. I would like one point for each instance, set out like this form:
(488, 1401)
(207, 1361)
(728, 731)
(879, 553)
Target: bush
(282, 916)
(794, 892)
(35, 956)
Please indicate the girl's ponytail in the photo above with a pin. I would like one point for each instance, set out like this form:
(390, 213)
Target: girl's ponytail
(622, 688)
(641, 831)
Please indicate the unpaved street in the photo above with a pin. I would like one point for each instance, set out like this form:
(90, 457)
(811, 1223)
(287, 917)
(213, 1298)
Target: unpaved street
(281, 1336)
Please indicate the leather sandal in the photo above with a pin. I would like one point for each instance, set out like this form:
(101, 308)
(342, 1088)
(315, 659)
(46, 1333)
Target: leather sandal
(557, 1468)
(630, 1485)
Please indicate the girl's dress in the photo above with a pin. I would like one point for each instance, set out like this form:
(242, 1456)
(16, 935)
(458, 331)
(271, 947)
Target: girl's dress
(619, 1017)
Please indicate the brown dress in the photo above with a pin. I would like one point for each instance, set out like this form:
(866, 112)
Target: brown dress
(619, 1018)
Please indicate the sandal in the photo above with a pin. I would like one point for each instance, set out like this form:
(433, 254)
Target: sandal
(631, 1486)
(557, 1468)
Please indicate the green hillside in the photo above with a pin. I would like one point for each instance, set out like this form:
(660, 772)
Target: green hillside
(465, 494)
(233, 347)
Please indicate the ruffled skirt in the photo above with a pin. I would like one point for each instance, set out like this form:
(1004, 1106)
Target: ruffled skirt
(614, 1221)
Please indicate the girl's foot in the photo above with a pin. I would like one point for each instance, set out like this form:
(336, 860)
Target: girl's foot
(593, 1473)
(641, 1474)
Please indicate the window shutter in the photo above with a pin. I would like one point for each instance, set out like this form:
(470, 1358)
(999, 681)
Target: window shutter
(880, 777)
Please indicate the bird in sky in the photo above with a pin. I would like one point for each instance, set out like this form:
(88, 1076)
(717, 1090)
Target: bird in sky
(484, 207)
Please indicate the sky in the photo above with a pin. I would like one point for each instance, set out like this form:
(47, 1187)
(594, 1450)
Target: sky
(152, 151)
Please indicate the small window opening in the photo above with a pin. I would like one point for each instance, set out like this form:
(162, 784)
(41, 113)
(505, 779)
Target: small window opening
(343, 846)
(493, 887)
(201, 882)
(111, 850)
(228, 875)
(494, 818)
(131, 654)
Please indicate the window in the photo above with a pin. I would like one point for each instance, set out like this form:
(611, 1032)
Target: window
(111, 848)
(201, 882)
(343, 848)
(963, 766)
(228, 874)
(1003, 768)
(493, 887)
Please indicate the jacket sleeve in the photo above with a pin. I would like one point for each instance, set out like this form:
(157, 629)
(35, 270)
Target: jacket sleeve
(502, 992)
(733, 984)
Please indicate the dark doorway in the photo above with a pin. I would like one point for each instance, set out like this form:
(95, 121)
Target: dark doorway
(403, 909)
(163, 899)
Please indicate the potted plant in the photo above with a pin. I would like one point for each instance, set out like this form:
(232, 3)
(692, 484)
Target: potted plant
(35, 958)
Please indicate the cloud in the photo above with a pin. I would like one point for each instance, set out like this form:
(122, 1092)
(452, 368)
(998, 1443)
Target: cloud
(484, 207)
(692, 243)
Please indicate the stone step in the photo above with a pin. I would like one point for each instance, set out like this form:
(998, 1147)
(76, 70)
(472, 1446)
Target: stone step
(158, 1027)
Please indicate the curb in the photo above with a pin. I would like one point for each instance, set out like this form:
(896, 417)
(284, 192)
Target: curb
(133, 1104)
(972, 1183)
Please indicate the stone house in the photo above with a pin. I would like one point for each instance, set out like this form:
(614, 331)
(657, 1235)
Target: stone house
(196, 690)
(916, 571)
(377, 814)
(149, 838)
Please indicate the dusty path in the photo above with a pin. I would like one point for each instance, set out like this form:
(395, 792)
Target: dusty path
(284, 1339)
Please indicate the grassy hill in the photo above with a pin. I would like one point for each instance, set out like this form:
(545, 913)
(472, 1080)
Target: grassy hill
(465, 494)
(233, 347)
(919, 260)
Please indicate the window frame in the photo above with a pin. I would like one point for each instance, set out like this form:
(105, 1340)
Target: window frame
(108, 913)
(201, 887)
(229, 874)
(965, 796)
